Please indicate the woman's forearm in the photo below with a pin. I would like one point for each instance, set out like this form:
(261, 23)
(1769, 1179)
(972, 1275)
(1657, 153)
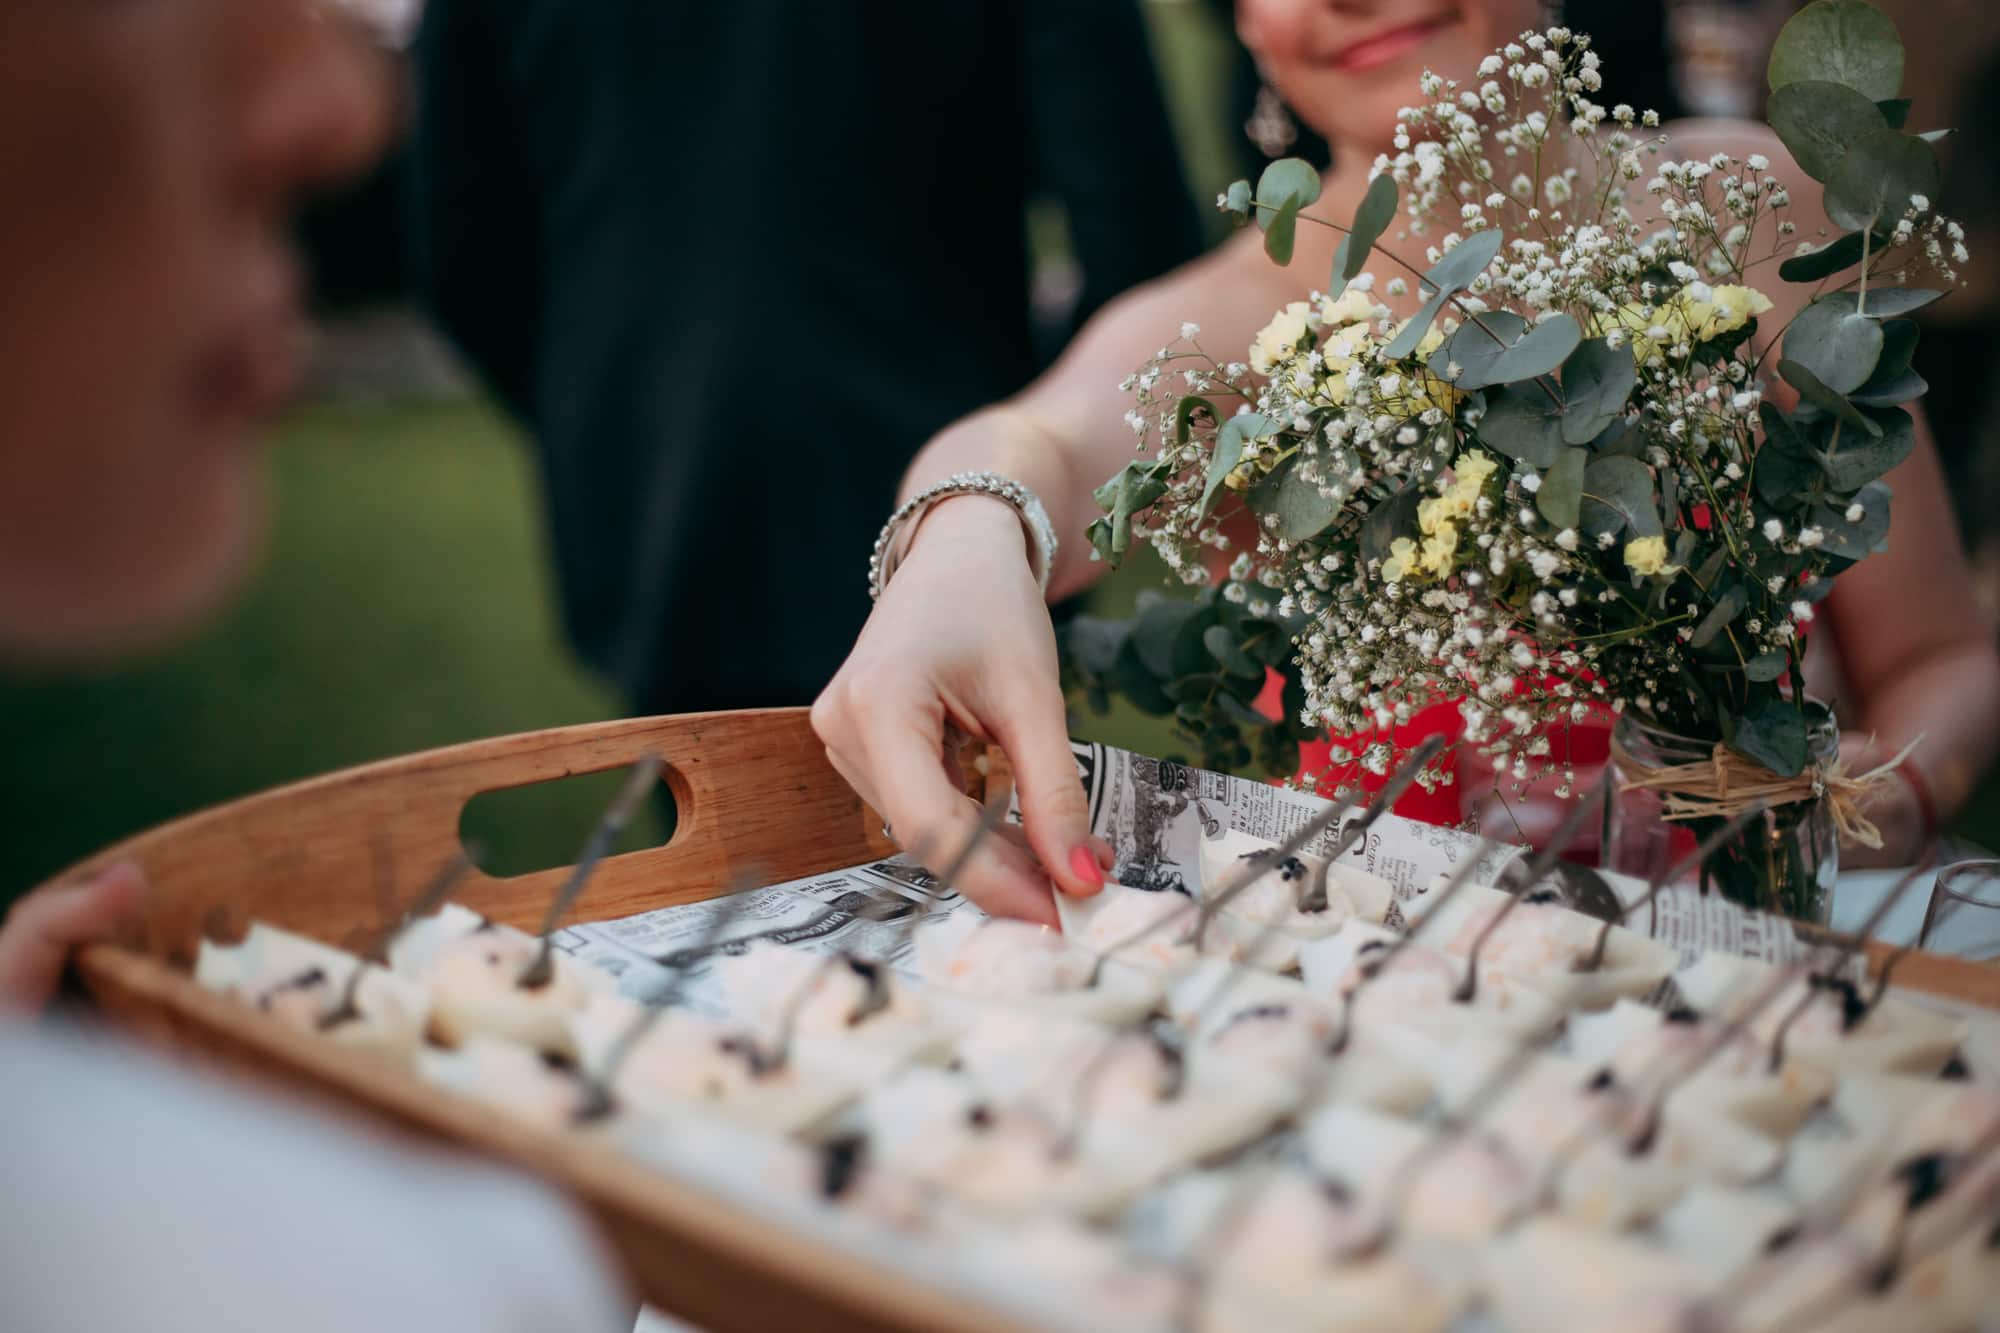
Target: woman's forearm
(1008, 439)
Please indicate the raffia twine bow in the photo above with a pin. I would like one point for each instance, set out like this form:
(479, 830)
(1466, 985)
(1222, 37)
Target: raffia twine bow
(1726, 784)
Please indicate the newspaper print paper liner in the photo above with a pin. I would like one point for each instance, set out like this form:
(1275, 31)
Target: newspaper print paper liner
(269, 961)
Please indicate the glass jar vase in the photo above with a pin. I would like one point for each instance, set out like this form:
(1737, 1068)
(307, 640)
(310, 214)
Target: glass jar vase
(1784, 861)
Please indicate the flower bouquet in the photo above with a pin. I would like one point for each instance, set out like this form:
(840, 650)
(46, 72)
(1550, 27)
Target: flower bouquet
(1559, 491)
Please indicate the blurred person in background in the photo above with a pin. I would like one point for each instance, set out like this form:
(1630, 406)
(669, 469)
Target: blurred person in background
(961, 642)
(149, 320)
(720, 260)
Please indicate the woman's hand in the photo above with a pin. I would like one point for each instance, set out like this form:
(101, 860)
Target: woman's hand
(45, 927)
(962, 638)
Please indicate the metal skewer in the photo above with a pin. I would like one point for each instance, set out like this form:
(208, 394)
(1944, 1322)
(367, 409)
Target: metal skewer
(540, 971)
(1066, 1143)
(427, 902)
(598, 1101)
(880, 910)
(1538, 866)
(1846, 947)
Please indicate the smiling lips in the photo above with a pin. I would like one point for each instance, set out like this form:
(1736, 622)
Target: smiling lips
(1384, 47)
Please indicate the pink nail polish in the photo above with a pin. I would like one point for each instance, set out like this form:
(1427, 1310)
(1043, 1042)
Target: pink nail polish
(1083, 861)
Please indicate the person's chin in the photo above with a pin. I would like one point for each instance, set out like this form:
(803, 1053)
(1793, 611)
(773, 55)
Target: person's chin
(164, 584)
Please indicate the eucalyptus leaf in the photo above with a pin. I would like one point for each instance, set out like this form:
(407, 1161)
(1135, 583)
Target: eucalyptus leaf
(1222, 646)
(1597, 382)
(1819, 395)
(1561, 493)
(1130, 490)
(1239, 712)
(1886, 302)
(1237, 198)
(1184, 415)
(1840, 41)
(1727, 607)
(1837, 345)
(1899, 345)
(1477, 350)
(1094, 642)
(1158, 630)
(1394, 517)
(1766, 666)
(1281, 231)
(1539, 351)
(1905, 387)
(1895, 111)
(1825, 261)
(1622, 436)
(1818, 120)
(1618, 495)
(1773, 733)
(1130, 679)
(1289, 180)
(1876, 178)
(1852, 459)
(1457, 270)
(1786, 464)
(1464, 262)
(1229, 441)
(1371, 219)
(1855, 540)
(1521, 422)
(1302, 509)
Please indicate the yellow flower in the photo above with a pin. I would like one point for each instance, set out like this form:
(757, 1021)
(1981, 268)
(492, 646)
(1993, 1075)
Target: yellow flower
(1684, 319)
(1471, 471)
(1402, 560)
(1353, 307)
(1279, 339)
(1439, 548)
(1738, 305)
(1648, 555)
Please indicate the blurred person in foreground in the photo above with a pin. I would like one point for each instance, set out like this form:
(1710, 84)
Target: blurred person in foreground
(733, 264)
(961, 642)
(152, 152)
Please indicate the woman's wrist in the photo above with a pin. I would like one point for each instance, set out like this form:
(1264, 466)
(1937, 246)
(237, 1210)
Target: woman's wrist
(967, 523)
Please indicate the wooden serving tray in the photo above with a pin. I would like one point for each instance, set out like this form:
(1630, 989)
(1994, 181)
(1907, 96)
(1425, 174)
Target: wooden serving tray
(339, 857)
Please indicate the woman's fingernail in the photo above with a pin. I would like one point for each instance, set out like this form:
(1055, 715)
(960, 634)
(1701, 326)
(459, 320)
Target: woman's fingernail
(1083, 861)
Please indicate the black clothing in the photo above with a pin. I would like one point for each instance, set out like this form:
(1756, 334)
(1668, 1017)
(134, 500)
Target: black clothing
(735, 262)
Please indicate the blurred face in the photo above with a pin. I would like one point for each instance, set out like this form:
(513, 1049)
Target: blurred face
(1345, 67)
(150, 151)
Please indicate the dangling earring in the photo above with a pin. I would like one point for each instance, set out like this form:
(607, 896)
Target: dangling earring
(1270, 126)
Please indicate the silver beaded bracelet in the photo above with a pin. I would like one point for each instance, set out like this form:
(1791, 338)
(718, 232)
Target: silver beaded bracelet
(889, 548)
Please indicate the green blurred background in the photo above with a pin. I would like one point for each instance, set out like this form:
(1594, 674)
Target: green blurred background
(406, 603)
